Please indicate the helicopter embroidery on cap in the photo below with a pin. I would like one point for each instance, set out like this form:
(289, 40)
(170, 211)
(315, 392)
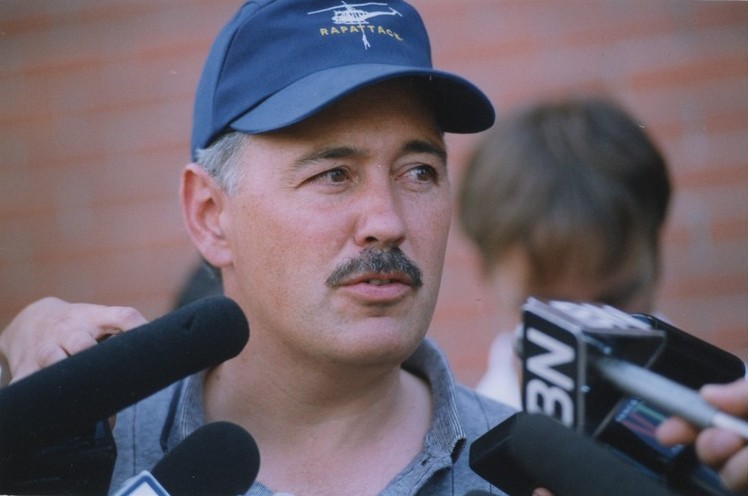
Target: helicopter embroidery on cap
(352, 19)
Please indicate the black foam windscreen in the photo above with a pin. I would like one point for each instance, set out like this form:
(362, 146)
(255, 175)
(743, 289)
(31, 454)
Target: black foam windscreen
(219, 458)
(528, 451)
(69, 397)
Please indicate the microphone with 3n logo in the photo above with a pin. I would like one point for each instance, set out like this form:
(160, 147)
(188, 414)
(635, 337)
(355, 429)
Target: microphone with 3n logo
(615, 376)
(560, 340)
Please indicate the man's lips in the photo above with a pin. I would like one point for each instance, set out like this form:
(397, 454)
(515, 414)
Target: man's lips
(376, 268)
(377, 279)
(377, 288)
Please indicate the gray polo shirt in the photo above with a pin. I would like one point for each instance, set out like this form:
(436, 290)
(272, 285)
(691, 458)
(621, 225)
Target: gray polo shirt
(149, 429)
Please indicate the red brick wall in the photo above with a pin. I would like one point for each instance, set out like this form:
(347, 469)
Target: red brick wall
(95, 107)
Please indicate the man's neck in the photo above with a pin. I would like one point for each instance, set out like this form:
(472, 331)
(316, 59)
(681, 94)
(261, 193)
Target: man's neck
(323, 431)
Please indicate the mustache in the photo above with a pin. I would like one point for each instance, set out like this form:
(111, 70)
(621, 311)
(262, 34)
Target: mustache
(380, 261)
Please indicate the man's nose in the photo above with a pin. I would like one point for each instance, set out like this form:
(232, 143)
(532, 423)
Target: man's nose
(380, 222)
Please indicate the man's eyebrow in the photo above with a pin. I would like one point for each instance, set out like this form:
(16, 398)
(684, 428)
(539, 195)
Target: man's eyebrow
(338, 152)
(420, 146)
(330, 153)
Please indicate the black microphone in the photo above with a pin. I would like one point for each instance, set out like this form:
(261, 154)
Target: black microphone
(219, 458)
(66, 400)
(528, 451)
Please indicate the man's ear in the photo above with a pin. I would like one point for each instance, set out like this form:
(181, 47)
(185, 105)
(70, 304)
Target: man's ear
(202, 208)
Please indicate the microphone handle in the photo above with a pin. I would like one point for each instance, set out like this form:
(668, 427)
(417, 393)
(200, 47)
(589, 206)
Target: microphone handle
(668, 395)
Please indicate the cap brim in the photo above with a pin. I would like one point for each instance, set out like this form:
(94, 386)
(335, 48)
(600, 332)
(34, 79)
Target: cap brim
(460, 106)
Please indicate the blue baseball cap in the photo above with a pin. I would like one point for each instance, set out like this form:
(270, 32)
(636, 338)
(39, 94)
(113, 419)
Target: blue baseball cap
(278, 62)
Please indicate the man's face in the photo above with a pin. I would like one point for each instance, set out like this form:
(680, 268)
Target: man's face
(366, 176)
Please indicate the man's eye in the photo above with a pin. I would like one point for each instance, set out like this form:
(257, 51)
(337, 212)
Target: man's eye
(424, 173)
(337, 175)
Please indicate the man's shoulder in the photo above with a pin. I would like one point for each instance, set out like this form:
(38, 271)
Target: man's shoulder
(148, 415)
(138, 432)
(479, 413)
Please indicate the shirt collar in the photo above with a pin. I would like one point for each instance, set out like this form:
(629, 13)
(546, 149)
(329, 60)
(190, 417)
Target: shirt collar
(446, 435)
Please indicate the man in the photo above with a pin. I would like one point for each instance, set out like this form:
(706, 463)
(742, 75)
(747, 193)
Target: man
(320, 192)
(564, 199)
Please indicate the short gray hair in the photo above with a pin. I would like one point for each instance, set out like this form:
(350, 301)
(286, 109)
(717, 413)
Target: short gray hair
(220, 160)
